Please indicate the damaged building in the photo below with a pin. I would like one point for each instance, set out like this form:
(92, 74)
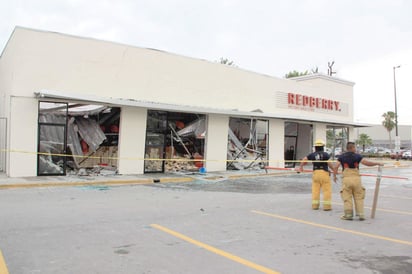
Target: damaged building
(75, 105)
(76, 137)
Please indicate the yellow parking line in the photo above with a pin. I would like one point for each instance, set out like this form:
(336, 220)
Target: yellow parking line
(334, 228)
(385, 210)
(215, 250)
(3, 267)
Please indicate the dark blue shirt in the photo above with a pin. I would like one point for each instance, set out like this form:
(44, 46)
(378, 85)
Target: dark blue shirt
(319, 156)
(350, 160)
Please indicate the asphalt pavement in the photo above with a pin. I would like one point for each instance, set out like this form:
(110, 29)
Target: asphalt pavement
(228, 222)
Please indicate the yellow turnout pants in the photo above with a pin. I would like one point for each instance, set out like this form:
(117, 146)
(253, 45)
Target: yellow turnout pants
(352, 190)
(321, 180)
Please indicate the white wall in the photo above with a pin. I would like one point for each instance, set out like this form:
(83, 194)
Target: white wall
(276, 142)
(79, 65)
(23, 137)
(216, 142)
(132, 140)
(74, 65)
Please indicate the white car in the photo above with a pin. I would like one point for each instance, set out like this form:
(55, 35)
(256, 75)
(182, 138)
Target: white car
(407, 155)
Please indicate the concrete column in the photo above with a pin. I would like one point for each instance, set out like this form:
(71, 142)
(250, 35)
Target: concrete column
(132, 138)
(216, 142)
(23, 137)
(276, 142)
(319, 132)
(351, 135)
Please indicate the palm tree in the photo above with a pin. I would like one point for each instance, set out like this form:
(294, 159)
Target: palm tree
(389, 123)
(364, 140)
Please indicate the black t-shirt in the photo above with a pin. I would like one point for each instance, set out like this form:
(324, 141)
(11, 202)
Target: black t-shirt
(319, 156)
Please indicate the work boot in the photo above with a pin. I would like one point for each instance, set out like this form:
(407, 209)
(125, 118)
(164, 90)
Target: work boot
(327, 209)
(347, 217)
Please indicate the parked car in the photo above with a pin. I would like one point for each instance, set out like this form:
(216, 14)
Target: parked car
(384, 151)
(393, 154)
(407, 155)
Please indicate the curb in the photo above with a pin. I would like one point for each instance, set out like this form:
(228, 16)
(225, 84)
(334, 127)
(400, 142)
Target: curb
(103, 182)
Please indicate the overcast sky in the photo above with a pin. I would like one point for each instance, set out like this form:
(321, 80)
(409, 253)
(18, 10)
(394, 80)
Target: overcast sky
(365, 38)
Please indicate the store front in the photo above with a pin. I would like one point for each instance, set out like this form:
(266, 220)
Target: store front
(75, 137)
(174, 140)
(132, 110)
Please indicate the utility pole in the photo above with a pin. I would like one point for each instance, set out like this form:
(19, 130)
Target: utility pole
(397, 138)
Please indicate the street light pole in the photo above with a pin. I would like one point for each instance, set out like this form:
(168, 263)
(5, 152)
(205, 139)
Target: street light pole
(397, 139)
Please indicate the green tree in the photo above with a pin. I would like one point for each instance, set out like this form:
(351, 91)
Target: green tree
(226, 61)
(364, 140)
(389, 123)
(336, 138)
(296, 73)
(330, 138)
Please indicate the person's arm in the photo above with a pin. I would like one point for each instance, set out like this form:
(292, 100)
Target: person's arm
(370, 163)
(335, 167)
(331, 166)
(302, 163)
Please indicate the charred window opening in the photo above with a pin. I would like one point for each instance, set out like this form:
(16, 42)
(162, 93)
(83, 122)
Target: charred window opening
(77, 139)
(291, 142)
(174, 141)
(247, 143)
(298, 142)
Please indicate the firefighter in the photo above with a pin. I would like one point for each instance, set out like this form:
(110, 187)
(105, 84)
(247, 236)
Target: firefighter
(321, 176)
(352, 189)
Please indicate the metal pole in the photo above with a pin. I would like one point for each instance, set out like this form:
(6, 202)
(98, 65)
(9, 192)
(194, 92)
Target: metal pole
(375, 196)
(397, 140)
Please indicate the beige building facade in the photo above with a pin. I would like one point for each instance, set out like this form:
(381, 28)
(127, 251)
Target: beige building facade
(154, 106)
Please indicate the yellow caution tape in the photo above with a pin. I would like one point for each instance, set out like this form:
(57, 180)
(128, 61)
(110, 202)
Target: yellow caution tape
(159, 159)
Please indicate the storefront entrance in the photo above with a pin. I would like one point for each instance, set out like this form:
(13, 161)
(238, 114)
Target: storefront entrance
(174, 141)
(76, 138)
(298, 142)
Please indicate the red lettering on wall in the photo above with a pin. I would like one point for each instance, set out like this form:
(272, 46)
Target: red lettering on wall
(337, 106)
(305, 100)
(298, 99)
(311, 102)
(324, 104)
(318, 102)
(291, 98)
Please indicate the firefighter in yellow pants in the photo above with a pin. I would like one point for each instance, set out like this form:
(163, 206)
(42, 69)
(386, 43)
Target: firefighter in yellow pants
(320, 178)
(352, 189)
(321, 181)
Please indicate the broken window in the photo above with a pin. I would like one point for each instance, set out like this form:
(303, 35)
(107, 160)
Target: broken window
(52, 120)
(174, 141)
(247, 143)
(78, 138)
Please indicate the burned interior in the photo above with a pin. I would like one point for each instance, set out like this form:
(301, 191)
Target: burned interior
(77, 138)
(174, 141)
(247, 143)
(83, 139)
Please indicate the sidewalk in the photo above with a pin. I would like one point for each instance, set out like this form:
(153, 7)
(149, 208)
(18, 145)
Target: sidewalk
(76, 180)
(177, 177)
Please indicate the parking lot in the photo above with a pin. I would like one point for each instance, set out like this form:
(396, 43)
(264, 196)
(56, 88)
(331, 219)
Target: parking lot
(212, 224)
